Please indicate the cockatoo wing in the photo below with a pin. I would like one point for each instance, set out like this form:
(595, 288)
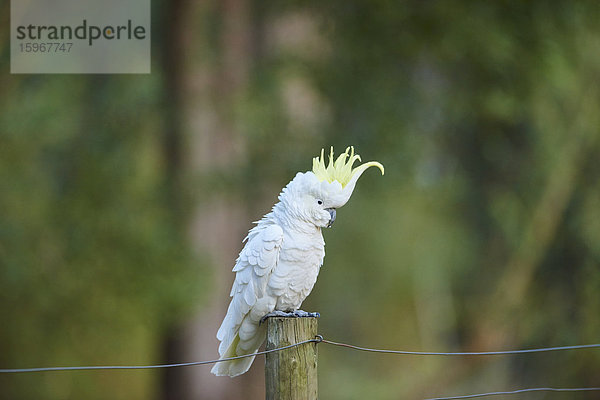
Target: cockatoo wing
(240, 332)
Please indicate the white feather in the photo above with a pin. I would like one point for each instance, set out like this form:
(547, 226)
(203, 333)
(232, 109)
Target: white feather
(239, 331)
(276, 269)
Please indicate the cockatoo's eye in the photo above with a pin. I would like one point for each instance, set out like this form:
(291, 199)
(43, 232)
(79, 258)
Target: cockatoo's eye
(320, 202)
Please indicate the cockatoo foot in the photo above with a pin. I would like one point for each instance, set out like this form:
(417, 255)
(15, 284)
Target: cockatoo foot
(292, 314)
(305, 314)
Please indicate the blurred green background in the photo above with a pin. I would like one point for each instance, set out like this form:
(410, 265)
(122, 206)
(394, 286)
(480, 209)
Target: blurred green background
(124, 198)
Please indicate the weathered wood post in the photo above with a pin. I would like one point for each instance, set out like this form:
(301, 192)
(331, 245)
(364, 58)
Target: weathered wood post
(291, 374)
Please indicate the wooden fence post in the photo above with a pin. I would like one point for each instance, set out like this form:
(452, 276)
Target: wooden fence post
(291, 374)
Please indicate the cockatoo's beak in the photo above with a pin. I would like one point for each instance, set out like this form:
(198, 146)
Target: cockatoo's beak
(332, 215)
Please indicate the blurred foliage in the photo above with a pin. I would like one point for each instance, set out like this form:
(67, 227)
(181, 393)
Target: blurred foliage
(93, 266)
(483, 231)
(484, 234)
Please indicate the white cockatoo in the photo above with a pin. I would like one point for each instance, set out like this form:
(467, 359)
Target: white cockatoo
(279, 264)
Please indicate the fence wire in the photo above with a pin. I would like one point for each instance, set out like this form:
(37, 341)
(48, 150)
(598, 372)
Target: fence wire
(529, 390)
(468, 353)
(320, 339)
(187, 364)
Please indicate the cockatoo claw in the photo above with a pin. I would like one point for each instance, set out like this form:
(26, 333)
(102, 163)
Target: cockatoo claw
(292, 314)
(305, 314)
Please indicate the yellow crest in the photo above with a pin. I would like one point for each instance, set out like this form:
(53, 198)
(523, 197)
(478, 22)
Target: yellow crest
(341, 169)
